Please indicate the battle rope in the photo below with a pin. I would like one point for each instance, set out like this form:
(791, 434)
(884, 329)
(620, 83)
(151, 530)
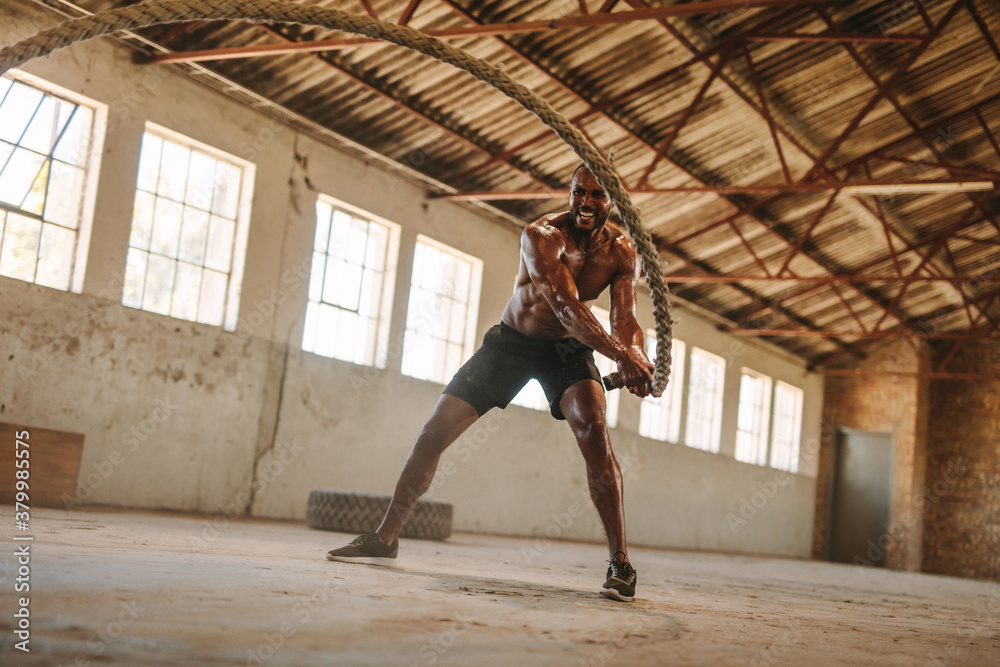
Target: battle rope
(260, 11)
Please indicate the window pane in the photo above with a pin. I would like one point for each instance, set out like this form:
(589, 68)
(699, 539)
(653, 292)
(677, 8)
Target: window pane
(378, 239)
(20, 247)
(357, 241)
(316, 273)
(339, 234)
(309, 333)
(212, 305)
(135, 277)
(226, 200)
(149, 162)
(334, 277)
(443, 309)
(787, 427)
(74, 145)
(16, 111)
(68, 182)
(350, 287)
(55, 257)
(173, 171)
(322, 226)
(194, 236)
(166, 227)
(198, 192)
(456, 332)
(42, 131)
(17, 178)
(221, 233)
(704, 418)
(34, 201)
(5, 150)
(752, 418)
(187, 287)
(421, 310)
(371, 293)
(159, 284)
(142, 220)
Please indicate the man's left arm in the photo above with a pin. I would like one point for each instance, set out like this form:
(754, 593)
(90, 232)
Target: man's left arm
(624, 326)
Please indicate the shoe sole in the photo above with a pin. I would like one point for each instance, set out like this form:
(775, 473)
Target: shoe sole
(363, 560)
(613, 594)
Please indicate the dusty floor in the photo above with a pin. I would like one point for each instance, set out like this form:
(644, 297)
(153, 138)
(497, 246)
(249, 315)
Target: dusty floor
(141, 588)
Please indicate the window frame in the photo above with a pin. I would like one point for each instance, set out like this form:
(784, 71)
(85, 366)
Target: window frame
(674, 394)
(471, 305)
(795, 452)
(761, 434)
(388, 289)
(98, 131)
(715, 436)
(234, 286)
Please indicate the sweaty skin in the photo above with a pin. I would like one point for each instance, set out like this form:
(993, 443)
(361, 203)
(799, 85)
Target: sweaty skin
(567, 260)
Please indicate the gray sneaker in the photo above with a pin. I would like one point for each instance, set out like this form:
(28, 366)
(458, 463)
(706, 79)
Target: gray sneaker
(621, 581)
(367, 548)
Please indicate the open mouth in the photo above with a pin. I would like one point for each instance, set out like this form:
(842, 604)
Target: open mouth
(585, 213)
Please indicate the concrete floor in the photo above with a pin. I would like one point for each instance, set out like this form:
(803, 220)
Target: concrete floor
(144, 588)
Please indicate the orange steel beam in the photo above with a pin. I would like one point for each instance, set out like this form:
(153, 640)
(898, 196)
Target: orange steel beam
(982, 173)
(917, 134)
(408, 12)
(518, 27)
(815, 186)
(600, 107)
(683, 120)
(400, 104)
(885, 87)
(983, 28)
(818, 169)
(800, 243)
(830, 280)
(930, 375)
(800, 333)
(766, 112)
(832, 37)
(941, 240)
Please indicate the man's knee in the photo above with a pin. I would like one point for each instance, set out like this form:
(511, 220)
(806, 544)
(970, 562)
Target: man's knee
(592, 431)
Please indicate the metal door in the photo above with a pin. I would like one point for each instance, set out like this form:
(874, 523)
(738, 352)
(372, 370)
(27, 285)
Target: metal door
(862, 489)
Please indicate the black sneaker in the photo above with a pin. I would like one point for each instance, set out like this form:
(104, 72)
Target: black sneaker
(621, 581)
(367, 548)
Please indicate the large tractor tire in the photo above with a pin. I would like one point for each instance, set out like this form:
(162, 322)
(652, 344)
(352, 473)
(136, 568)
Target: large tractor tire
(351, 512)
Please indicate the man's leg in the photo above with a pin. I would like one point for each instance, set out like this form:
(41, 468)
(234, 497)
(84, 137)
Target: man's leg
(584, 408)
(449, 420)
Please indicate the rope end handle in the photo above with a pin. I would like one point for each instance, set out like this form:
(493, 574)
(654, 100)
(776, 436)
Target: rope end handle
(614, 381)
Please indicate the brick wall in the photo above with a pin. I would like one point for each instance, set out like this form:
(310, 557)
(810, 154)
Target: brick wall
(962, 519)
(875, 400)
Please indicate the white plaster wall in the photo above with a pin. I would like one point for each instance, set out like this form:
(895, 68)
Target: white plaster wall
(262, 423)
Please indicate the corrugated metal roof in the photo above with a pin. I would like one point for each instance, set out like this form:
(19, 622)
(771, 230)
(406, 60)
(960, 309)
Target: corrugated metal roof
(458, 131)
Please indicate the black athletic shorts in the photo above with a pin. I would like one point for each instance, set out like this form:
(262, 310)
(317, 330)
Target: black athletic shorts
(508, 359)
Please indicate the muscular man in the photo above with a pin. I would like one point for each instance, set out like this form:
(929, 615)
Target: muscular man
(547, 332)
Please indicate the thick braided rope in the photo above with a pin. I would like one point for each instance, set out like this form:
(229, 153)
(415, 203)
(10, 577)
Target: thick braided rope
(173, 11)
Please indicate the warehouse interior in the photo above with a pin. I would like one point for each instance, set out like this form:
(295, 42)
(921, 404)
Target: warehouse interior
(239, 261)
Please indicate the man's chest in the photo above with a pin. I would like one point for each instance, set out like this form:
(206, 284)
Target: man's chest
(592, 275)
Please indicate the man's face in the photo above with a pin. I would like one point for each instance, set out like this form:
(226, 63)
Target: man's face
(589, 204)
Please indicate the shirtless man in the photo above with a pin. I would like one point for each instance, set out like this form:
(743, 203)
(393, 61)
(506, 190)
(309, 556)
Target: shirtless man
(547, 332)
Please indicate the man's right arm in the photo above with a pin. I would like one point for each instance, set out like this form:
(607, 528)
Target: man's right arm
(541, 248)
